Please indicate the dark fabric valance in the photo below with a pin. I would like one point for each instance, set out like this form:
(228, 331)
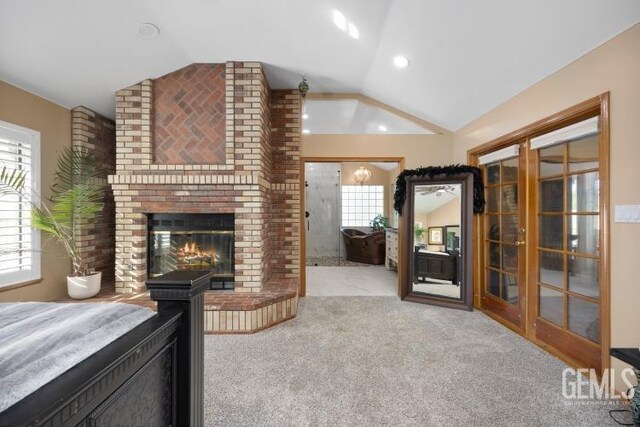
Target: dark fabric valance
(433, 171)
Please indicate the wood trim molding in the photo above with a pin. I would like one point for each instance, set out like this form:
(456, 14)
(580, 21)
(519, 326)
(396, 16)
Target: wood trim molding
(605, 229)
(598, 105)
(303, 235)
(379, 104)
(541, 126)
(20, 285)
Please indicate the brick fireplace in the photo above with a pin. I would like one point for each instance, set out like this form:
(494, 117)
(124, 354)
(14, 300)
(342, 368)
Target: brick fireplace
(192, 242)
(212, 139)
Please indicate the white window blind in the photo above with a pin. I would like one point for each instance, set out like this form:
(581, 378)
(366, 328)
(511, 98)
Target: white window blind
(502, 154)
(569, 133)
(361, 203)
(19, 243)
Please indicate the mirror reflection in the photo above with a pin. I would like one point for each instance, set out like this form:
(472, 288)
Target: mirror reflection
(437, 240)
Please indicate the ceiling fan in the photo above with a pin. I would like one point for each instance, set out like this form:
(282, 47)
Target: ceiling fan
(439, 190)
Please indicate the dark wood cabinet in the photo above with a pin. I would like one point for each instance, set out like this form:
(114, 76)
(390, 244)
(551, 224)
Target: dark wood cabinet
(434, 266)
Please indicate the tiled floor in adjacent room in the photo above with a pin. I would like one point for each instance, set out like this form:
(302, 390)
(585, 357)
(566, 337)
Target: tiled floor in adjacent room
(351, 281)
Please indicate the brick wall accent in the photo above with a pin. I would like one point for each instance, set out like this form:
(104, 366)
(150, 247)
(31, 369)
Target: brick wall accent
(96, 238)
(189, 109)
(242, 184)
(286, 114)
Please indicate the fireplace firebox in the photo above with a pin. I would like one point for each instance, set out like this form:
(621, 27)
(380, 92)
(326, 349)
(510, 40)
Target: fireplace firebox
(193, 242)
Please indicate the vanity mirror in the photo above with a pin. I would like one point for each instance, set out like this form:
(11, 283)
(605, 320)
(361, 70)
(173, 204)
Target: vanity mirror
(439, 211)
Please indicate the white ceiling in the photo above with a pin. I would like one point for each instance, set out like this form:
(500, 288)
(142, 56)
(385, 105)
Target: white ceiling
(351, 116)
(388, 166)
(467, 56)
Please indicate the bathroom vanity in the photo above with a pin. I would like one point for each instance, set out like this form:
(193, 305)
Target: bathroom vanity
(391, 258)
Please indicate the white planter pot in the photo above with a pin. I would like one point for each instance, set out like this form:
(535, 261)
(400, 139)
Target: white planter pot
(81, 287)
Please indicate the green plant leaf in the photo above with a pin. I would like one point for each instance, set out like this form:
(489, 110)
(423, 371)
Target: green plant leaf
(378, 223)
(43, 222)
(77, 196)
(80, 203)
(75, 166)
(12, 180)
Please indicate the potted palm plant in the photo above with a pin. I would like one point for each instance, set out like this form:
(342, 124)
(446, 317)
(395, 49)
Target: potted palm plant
(76, 197)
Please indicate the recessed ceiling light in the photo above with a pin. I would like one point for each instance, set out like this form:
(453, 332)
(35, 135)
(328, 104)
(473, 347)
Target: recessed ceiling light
(345, 24)
(339, 20)
(401, 61)
(148, 30)
(305, 116)
(305, 131)
(353, 31)
(382, 128)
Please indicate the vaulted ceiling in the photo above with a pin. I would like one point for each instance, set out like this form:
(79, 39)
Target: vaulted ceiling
(466, 56)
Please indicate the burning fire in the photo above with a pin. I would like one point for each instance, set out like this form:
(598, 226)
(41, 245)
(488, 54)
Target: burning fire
(191, 256)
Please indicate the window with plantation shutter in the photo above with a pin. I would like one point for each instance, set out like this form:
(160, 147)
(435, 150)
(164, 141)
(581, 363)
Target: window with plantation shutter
(19, 243)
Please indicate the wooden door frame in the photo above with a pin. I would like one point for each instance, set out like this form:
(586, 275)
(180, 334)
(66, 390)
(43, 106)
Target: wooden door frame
(303, 234)
(600, 105)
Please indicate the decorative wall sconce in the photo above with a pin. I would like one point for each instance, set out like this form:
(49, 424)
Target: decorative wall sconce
(362, 175)
(303, 87)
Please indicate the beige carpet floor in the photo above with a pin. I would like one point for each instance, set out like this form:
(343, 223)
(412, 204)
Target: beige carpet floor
(377, 361)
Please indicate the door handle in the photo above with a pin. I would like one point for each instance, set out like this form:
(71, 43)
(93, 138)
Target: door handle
(519, 243)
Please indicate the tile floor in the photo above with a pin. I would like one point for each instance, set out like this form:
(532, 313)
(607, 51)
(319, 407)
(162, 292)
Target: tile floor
(351, 281)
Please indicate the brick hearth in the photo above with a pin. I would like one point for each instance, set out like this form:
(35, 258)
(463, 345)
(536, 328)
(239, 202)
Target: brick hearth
(160, 168)
(226, 312)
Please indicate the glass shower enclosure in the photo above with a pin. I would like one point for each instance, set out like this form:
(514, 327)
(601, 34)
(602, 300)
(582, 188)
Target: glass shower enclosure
(322, 213)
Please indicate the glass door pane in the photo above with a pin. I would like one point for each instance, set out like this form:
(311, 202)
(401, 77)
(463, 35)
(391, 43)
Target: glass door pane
(568, 245)
(503, 240)
(323, 201)
(502, 230)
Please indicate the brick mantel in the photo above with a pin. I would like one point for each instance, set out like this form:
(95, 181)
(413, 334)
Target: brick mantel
(257, 180)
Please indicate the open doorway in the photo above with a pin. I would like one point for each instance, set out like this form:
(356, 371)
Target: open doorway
(350, 230)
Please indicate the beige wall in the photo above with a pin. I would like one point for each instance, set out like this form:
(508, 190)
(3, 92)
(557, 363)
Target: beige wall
(394, 218)
(54, 124)
(378, 176)
(417, 150)
(447, 214)
(613, 67)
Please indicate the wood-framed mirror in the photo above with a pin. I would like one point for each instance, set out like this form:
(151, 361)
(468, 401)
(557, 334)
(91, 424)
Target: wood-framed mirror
(437, 217)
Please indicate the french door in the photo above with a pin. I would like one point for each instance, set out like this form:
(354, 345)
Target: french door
(543, 236)
(565, 252)
(504, 231)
